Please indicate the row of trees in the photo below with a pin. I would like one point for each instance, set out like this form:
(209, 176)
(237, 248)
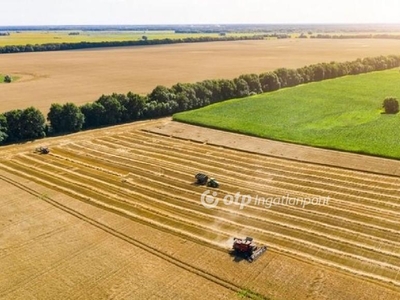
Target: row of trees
(114, 109)
(142, 42)
(146, 42)
(356, 36)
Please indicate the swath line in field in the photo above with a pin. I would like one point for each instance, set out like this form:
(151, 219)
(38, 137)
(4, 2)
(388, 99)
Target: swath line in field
(128, 239)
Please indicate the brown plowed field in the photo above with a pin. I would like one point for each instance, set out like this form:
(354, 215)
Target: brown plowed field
(115, 214)
(83, 76)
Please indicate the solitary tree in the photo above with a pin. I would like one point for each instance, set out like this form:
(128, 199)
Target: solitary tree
(391, 105)
(7, 78)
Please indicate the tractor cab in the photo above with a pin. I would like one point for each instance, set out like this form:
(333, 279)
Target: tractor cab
(201, 179)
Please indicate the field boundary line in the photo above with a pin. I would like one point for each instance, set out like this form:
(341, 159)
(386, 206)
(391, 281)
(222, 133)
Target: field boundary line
(279, 149)
(273, 162)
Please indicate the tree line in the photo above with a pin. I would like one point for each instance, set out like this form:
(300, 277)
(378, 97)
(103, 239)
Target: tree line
(30, 123)
(148, 42)
(142, 42)
(356, 36)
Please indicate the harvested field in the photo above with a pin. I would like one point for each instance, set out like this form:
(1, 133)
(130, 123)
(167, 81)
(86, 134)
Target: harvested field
(125, 197)
(82, 76)
(52, 248)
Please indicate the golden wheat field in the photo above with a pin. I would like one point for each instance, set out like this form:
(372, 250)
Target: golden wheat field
(114, 214)
(82, 76)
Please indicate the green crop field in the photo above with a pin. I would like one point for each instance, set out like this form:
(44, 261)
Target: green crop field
(44, 37)
(343, 113)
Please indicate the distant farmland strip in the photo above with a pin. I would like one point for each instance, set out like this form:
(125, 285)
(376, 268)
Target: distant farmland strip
(106, 44)
(82, 76)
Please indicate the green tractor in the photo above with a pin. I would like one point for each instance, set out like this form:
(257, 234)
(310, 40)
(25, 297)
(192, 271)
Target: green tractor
(42, 150)
(213, 183)
(203, 179)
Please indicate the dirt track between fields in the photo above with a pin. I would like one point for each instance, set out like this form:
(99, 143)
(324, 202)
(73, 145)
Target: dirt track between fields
(278, 149)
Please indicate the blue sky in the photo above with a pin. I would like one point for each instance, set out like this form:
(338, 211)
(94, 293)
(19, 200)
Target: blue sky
(84, 12)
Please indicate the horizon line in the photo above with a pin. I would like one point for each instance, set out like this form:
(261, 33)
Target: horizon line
(208, 24)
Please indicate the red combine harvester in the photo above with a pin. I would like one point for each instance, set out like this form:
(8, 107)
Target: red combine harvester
(247, 249)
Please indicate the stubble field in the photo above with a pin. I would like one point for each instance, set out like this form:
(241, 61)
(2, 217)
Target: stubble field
(82, 76)
(108, 213)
